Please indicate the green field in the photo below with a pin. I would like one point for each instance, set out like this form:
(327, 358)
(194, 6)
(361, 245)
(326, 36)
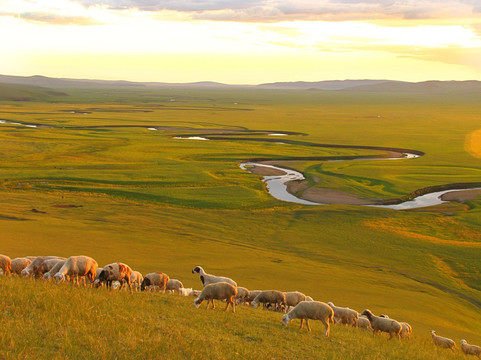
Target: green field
(161, 204)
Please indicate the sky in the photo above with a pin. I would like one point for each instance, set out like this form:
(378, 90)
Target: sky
(242, 41)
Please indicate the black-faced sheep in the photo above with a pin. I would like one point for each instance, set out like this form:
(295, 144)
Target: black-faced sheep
(116, 272)
(218, 291)
(344, 315)
(211, 279)
(380, 324)
(443, 341)
(77, 266)
(314, 310)
(470, 349)
(6, 264)
(20, 263)
(155, 279)
(273, 297)
(174, 285)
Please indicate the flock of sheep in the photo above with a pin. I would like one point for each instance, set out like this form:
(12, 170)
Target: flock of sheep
(215, 288)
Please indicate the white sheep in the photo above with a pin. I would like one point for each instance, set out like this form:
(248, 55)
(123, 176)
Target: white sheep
(378, 324)
(45, 266)
(55, 269)
(273, 297)
(217, 291)
(363, 323)
(443, 341)
(155, 279)
(38, 261)
(470, 349)
(293, 298)
(6, 264)
(406, 330)
(174, 285)
(252, 295)
(20, 263)
(314, 310)
(242, 295)
(308, 298)
(136, 279)
(76, 266)
(211, 279)
(344, 315)
(116, 272)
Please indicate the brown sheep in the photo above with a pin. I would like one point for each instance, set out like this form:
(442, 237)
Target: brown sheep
(116, 272)
(6, 264)
(273, 297)
(470, 349)
(76, 266)
(392, 327)
(155, 279)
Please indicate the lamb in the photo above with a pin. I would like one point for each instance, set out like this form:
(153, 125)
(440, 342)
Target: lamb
(155, 279)
(211, 279)
(18, 264)
(219, 291)
(293, 298)
(314, 310)
(406, 330)
(6, 264)
(76, 266)
(344, 315)
(242, 295)
(116, 271)
(470, 349)
(174, 285)
(274, 297)
(136, 278)
(379, 324)
(55, 269)
(363, 323)
(442, 341)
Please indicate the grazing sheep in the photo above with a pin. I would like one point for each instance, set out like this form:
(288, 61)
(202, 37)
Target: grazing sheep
(344, 315)
(136, 278)
(242, 295)
(174, 285)
(76, 266)
(55, 269)
(38, 261)
(442, 341)
(5, 264)
(273, 297)
(218, 291)
(45, 266)
(97, 282)
(211, 279)
(20, 263)
(363, 323)
(406, 330)
(252, 295)
(308, 298)
(314, 310)
(155, 279)
(293, 298)
(379, 324)
(470, 349)
(116, 271)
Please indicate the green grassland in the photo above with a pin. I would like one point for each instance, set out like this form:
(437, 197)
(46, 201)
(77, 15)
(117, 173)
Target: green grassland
(161, 204)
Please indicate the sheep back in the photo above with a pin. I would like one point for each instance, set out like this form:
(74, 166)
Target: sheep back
(155, 279)
(18, 264)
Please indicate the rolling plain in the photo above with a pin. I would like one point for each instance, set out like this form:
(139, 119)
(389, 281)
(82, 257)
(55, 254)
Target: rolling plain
(102, 174)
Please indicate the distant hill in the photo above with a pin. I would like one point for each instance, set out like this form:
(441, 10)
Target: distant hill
(419, 87)
(323, 85)
(27, 93)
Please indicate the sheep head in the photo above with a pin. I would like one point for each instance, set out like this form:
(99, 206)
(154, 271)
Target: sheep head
(196, 270)
(197, 302)
(285, 319)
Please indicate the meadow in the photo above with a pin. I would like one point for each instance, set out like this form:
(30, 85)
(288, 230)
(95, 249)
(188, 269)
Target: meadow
(96, 181)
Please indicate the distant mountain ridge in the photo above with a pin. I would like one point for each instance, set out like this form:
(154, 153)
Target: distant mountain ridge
(362, 85)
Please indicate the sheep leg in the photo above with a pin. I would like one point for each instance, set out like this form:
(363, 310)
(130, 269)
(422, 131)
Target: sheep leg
(308, 327)
(302, 324)
(213, 304)
(326, 324)
(127, 278)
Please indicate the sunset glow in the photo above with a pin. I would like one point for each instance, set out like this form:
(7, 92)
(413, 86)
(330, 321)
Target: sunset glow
(242, 42)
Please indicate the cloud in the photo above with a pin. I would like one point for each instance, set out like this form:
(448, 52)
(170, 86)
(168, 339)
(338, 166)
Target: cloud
(278, 10)
(56, 19)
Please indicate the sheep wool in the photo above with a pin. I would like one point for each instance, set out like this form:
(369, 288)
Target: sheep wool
(210, 279)
(470, 349)
(344, 315)
(443, 341)
(116, 272)
(272, 297)
(380, 324)
(217, 291)
(18, 264)
(314, 310)
(155, 279)
(76, 266)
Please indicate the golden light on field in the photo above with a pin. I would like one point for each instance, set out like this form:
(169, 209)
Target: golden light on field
(473, 143)
(77, 38)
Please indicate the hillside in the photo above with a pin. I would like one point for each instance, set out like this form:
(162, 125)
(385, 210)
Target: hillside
(10, 92)
(48, 321)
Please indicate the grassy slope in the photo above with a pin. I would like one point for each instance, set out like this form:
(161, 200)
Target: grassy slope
(160, 204)
(64, 321)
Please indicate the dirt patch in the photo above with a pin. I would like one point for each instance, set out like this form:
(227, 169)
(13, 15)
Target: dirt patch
(265, 171)
(328, 196)
(461, 196)
(67, 206)
(38, 211)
